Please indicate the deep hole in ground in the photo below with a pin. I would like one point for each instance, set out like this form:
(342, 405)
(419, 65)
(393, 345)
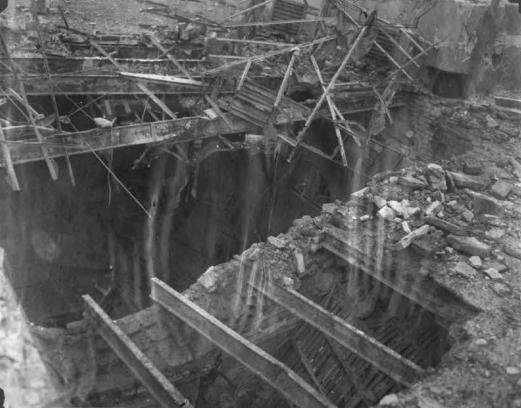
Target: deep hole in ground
(64, 241)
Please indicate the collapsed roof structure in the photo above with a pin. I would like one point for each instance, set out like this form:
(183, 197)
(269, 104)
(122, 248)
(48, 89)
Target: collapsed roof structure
(138, 162)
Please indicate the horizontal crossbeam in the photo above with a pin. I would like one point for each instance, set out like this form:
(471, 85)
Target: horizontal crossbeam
(275, 373)
(179, 130)
(379, 355)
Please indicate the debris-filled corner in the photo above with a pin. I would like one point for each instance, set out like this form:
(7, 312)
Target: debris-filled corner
(247, 203)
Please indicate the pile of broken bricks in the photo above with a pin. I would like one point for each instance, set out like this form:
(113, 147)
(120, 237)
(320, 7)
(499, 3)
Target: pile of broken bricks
(464, 220)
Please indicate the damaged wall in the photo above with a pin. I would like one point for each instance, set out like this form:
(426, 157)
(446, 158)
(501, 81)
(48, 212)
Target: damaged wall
(478, 39)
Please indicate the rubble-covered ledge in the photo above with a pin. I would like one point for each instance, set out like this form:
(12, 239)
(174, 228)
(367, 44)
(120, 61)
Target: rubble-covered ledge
(450, 232)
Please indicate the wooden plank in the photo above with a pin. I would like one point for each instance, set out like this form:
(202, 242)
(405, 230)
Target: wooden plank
(8, 162)
(184, 129)
(277, 22)
(244, 75)
(394, 62)
(140, 84)
(170, 57)
(256, 42)
(254, 7)
(285, 79)
(332, 111)
(53, 95)
(262, 57)
(380, 356)
(207, 97)
(98, 84)
(328, 88)
(163, 79)
(162, 390)
(279, 376)
(398, 45)
(307, 364)
(51, 165)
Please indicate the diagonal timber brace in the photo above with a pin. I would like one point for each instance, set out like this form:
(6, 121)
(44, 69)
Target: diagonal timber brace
(141, 366)
(380, 356)
(139, 84)
(278, 375)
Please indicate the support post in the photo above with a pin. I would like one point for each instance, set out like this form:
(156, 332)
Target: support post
(278, 375)
(8, 161)
(51, 165)
(53, 95)
(141, 366)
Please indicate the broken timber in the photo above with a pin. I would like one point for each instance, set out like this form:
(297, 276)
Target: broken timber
(156, 383)
(380, 356)
(327, 89)
(278, 375)
(102, 83)
(15, 185)
(179, 130)
(139, 84)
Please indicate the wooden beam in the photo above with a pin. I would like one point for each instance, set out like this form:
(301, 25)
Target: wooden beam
(398, 45)
(161, 389)
(170, 57)
(97, 84)
(393, 61)
(207, 97)
(351, 375)
(157, 101)
(180, 130)
(256, 42)
(53, 95)
(279, 376)
(307, 364)
(8, 162)
(162, 79)
(416, 57)
(285, 80)
(332, 111)
(51, 165)
(244, 75)
(140, 84)
(380, 356)
(277, 22)
(262, 57)
(256, 6)
(328, 88)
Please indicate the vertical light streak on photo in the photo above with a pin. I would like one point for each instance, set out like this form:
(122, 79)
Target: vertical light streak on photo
(265, 278)
(156, 186)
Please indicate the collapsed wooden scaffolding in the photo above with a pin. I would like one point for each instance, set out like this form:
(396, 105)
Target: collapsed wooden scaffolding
(237, 108)
(274, 372)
